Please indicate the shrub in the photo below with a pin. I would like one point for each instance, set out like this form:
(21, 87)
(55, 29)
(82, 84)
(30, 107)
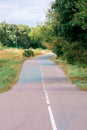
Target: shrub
(76, 53)
(1, 46)
(73, 52)
(60, 46)
(28, 53)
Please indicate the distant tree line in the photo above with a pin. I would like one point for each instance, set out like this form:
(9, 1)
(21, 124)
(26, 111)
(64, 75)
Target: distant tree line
(19, 36)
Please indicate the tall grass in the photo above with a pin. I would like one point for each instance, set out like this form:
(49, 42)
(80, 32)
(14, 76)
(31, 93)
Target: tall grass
(76, 73)
(11, 61)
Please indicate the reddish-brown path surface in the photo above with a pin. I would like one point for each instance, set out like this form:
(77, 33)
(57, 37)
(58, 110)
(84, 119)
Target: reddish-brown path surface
(43, 99)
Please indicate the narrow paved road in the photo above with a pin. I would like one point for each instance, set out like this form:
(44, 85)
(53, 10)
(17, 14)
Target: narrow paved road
(43, 99)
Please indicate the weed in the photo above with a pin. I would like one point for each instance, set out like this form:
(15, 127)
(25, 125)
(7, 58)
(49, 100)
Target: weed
(76, 73)
(11, 61)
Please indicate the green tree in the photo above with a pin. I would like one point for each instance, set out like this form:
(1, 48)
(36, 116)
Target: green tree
(12, 35)
(80, 21)
(35, 37)
(23, 38)
(3, 34)
(69, 23)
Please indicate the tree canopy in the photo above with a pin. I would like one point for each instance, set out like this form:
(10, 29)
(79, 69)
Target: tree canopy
(68, 20)
(20, 36)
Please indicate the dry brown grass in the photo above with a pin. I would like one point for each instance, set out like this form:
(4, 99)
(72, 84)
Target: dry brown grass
(11, 61)
(40, 52)
(10, 54)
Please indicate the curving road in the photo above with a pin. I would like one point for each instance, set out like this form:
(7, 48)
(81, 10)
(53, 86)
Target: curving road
(43, 99)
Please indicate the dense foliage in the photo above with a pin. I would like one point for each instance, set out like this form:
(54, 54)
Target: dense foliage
(14, 35)
(28, 53)
(19, 36)
(68, 20)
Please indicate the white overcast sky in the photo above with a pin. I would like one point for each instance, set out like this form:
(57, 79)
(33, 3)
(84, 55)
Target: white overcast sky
(29, 12)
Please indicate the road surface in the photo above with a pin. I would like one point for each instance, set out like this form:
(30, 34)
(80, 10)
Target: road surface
(43, 99)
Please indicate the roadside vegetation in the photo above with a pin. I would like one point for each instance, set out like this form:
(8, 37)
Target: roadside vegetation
(75, 73)
(67, 22)
(11, 61)
(64, 32)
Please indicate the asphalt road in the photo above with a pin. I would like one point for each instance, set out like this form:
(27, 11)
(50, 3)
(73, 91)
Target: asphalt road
(43, 99)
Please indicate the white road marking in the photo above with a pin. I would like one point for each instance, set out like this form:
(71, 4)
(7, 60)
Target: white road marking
(46, 97)
(48, 102)
(46, 94)
(52, 118)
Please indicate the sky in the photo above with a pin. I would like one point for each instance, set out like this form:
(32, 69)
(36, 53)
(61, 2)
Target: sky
(29, 12)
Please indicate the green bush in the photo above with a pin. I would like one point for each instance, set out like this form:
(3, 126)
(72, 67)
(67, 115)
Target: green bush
(1, 46)
(76, 53)
(60, 46)
(57, 47)
(28, 53)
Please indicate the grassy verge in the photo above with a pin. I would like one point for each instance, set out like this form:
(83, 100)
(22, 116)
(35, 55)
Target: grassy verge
(77, 74)
(11, 61)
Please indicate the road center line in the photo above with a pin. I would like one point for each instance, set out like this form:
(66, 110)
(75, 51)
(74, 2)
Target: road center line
(52, 118)
(46, 97)
(46, 94)
(48, 102)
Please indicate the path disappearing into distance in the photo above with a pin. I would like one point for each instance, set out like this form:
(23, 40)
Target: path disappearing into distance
(43, 99)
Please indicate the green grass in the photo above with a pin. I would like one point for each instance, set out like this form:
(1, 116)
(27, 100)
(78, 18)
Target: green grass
(76, 73)
(8, 73)
(11, 61)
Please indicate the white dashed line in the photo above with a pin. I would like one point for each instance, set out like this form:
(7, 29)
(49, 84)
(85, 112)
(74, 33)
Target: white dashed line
(46, 97)
(48, 102)
(52, 118)
(46, 94)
